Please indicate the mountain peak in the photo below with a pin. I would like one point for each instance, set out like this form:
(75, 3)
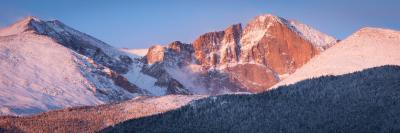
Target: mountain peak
(262, 22)
(31, 18)
(266, 18)
(26, 24)
(374, 30)
(30, 24)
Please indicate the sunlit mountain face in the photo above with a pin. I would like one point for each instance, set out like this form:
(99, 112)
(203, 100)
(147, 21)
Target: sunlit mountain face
(266, 74)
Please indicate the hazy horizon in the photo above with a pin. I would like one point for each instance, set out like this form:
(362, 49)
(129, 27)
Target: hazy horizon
(140, 24)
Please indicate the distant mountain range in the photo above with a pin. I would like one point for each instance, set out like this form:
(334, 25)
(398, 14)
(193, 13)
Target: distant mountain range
(270, 70)
(48, 65)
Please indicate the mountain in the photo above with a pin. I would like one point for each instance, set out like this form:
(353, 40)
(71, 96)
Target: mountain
(363, 101)
(93, 118)
(47, 65)
(366, 48)
(238, 60)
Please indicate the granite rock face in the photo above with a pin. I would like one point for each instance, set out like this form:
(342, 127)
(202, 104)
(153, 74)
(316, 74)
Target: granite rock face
(250, 59)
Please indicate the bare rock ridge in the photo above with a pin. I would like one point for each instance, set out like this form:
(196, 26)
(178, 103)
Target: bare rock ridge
(267, 50)
(217, 48)
(174, 55)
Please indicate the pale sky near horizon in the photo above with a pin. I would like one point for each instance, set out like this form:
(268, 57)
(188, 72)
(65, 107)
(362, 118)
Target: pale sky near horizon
(142, 23)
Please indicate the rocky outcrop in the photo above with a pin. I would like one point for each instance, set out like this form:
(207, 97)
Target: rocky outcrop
(270, 41)
(236, 60)
(175, 55)
(217, 48)
(253, 77)
(155, 54)
(164, 79)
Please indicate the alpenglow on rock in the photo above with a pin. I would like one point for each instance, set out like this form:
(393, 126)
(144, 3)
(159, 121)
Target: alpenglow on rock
(246, 60)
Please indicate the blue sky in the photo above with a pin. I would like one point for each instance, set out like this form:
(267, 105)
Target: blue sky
(142, 23)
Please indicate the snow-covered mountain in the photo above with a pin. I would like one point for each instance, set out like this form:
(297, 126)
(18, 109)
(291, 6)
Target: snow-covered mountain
(47, 65)
(366, 48)
(239, 60)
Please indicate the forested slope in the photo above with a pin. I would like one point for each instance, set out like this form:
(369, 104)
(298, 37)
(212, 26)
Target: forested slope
(365, 101)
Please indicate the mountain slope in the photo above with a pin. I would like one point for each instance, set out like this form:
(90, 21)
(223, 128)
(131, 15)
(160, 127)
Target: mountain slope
(80, 42)
(368, 47)
(365, 101)
(94, 118)
(47, 65)
(230, 61)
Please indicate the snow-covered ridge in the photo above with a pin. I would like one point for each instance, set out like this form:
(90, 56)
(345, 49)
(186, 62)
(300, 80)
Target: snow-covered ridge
(54, 28)
(81, 43)
(317, 38)
(18, 27)
(366, 48)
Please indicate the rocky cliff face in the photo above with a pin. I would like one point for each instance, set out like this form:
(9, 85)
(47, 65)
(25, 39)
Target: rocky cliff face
(253, 58)
(271, 41)
(218, 48)
(176, 55)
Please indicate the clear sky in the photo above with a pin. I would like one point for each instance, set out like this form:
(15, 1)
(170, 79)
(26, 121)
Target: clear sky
(142, 23)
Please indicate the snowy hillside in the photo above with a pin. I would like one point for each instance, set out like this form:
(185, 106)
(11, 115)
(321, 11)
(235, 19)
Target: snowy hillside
(368, 47)
(319, 39)
(47, 65)
(37, 74)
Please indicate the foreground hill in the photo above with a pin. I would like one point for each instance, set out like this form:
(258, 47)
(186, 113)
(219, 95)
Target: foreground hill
(364, 101)
(368, 47)
(95, 118)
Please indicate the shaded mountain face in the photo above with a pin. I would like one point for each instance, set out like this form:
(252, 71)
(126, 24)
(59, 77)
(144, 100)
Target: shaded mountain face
(248, 60)
(364, 101)
(47, 65)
